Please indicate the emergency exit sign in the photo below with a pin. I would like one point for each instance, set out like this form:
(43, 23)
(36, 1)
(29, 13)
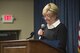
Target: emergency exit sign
(7, 18)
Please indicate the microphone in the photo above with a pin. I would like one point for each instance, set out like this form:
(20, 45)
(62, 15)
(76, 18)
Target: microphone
(43, 26)
(31, 35)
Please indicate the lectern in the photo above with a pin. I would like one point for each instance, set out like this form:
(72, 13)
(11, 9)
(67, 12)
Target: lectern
(26, 46)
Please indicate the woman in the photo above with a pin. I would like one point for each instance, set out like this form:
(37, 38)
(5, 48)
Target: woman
(55, 30)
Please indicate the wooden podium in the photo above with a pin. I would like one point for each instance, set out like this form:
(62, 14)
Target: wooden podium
(26, 46)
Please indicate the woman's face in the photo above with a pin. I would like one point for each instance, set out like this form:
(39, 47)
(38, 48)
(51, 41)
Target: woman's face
(49, 17)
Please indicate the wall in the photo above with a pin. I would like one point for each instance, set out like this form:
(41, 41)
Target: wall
(22, 10)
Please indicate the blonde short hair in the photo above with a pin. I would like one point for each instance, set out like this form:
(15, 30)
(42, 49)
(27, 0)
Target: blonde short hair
(50, 7)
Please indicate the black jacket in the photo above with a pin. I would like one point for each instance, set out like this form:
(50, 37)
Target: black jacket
(58, 33)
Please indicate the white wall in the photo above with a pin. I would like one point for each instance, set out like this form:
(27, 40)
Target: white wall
(22, 10)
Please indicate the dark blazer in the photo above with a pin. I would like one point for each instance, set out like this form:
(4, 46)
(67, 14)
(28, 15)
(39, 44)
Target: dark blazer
(57, 35)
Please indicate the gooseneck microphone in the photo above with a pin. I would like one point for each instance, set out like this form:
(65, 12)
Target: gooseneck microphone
(31, 35)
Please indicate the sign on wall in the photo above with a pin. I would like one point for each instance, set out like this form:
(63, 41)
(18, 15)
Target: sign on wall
(7, 19)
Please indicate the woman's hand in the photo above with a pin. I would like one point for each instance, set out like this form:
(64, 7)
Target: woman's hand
(40, 32)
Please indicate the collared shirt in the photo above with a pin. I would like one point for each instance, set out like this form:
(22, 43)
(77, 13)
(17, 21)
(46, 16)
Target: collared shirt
(54, 24)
